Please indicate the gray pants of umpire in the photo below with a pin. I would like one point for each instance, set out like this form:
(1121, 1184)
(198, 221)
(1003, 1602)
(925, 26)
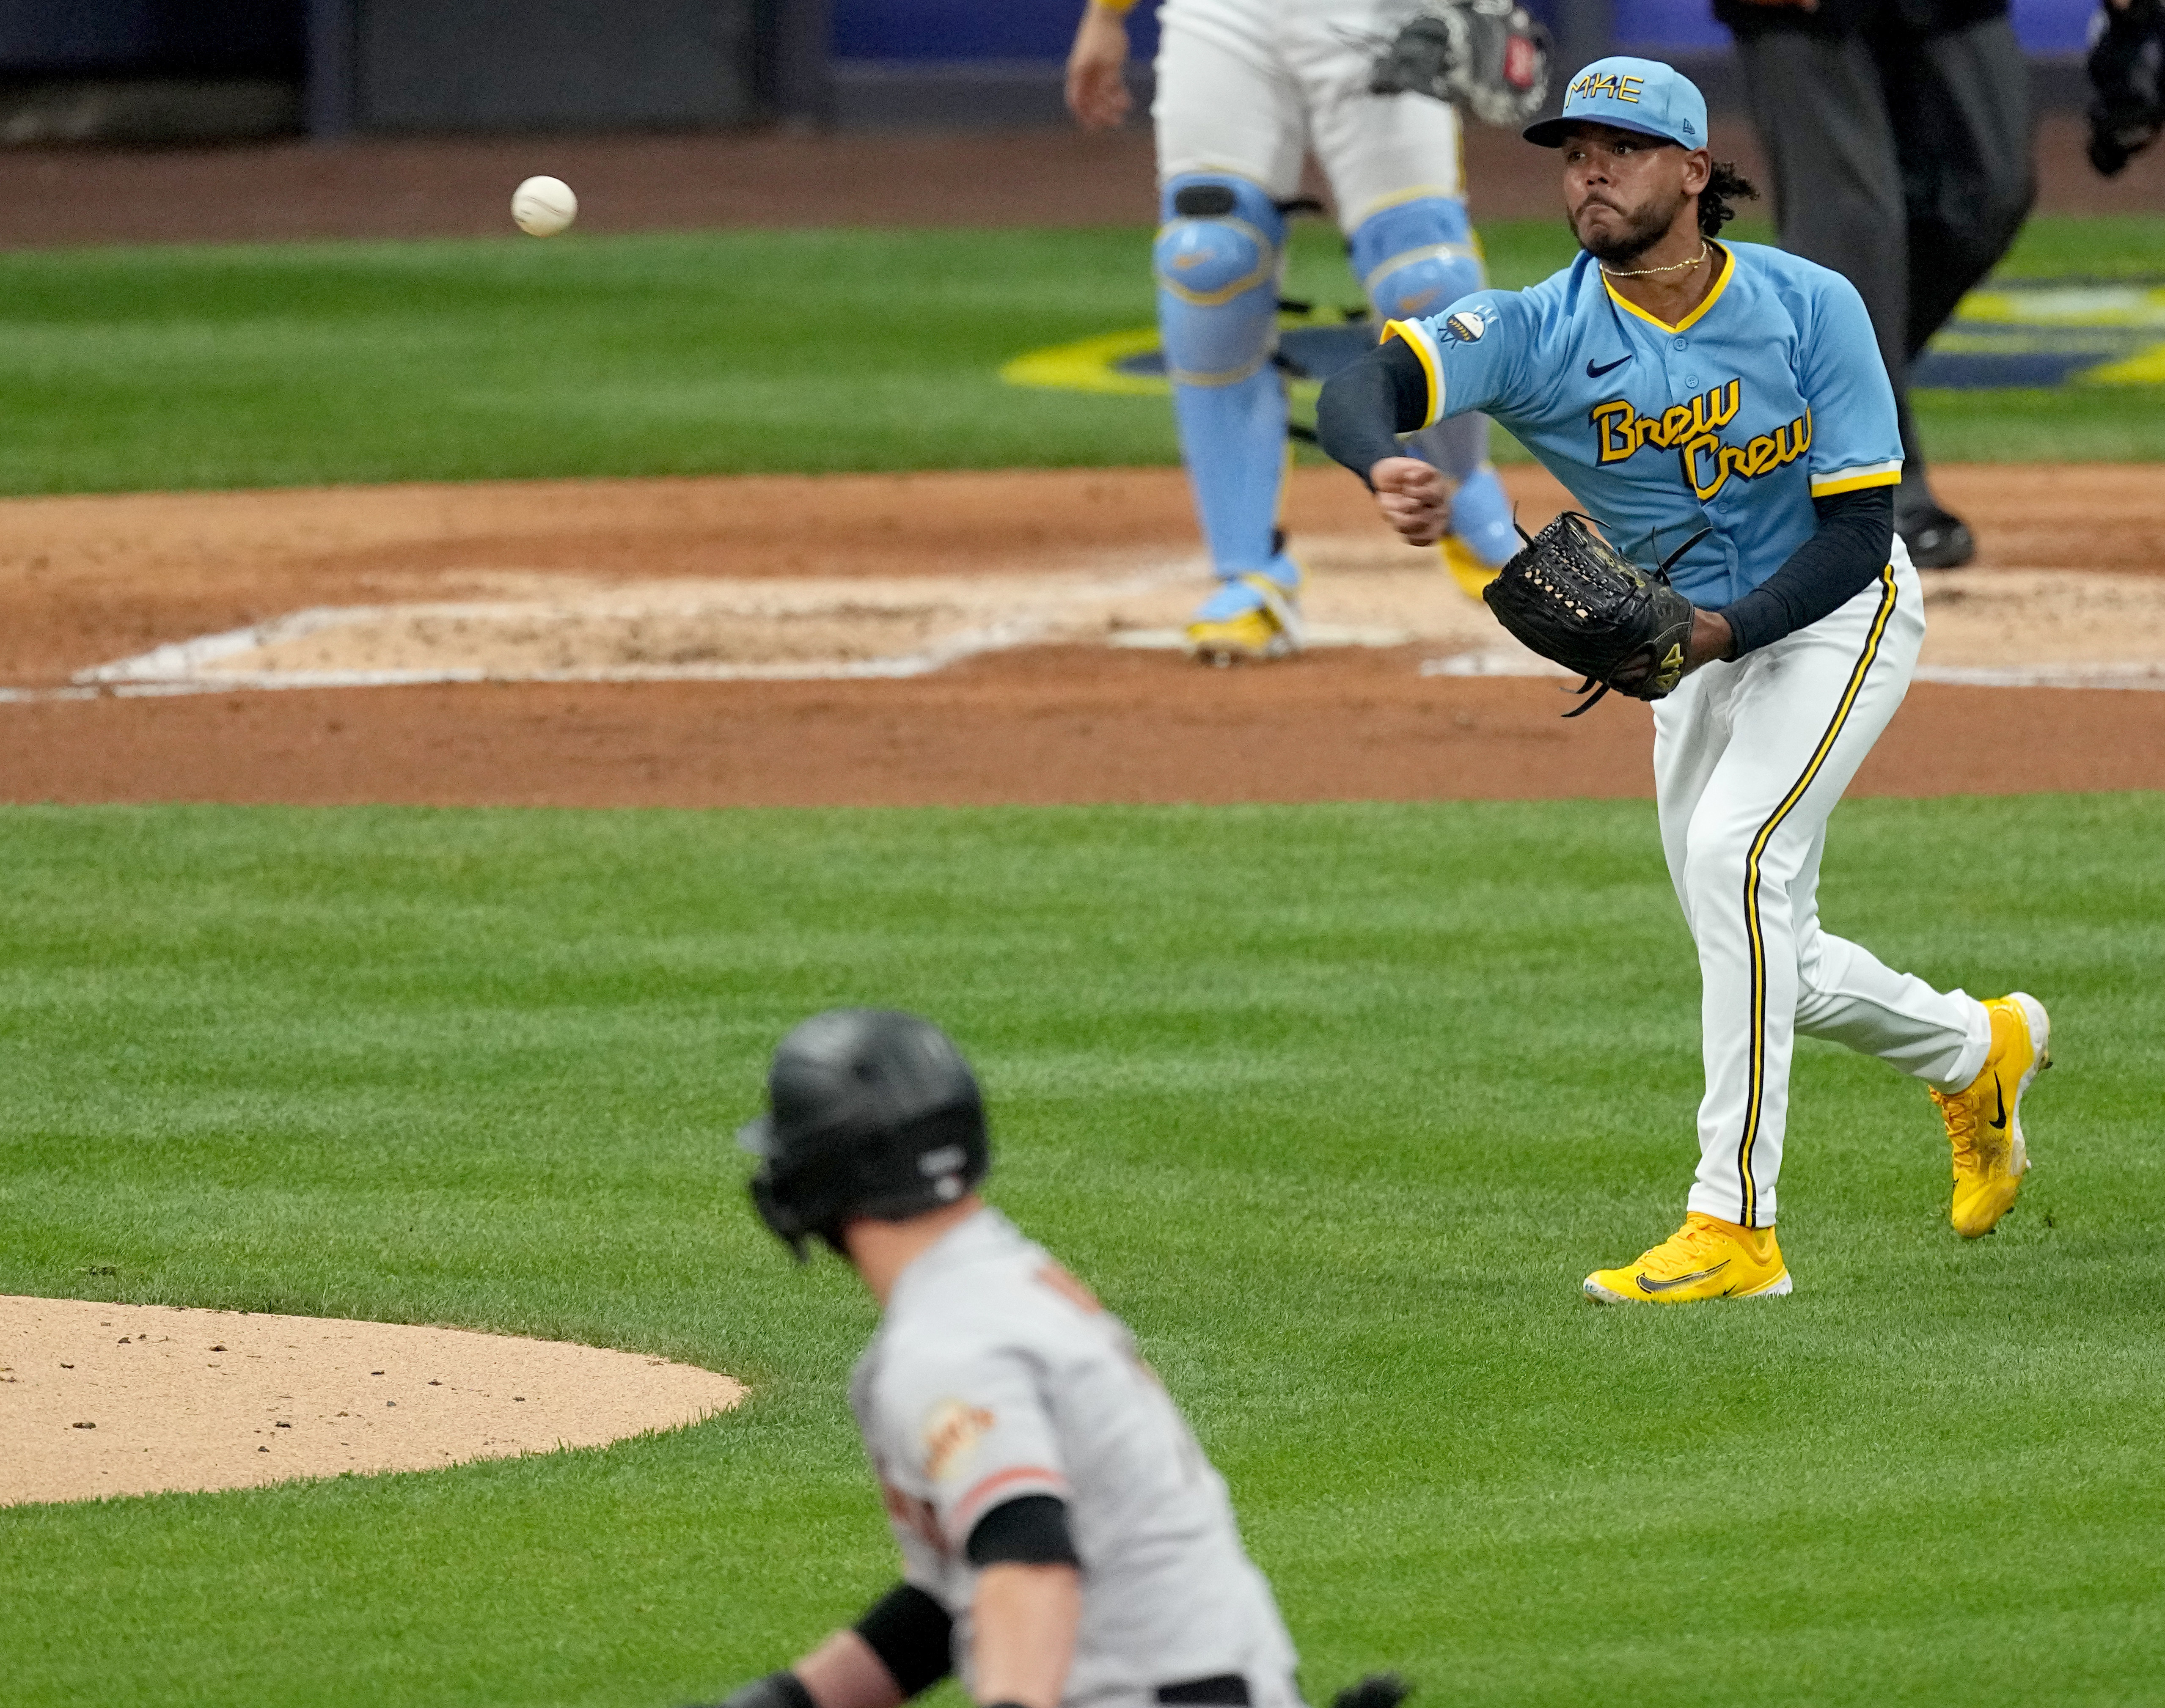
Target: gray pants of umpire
(1903, 162)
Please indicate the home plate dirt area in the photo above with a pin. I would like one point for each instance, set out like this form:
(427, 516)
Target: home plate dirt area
(946, 638)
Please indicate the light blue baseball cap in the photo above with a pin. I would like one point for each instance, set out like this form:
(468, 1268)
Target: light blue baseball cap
(1642, 95)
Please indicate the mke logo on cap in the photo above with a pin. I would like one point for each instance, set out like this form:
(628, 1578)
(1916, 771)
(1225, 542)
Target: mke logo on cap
(1592, 85)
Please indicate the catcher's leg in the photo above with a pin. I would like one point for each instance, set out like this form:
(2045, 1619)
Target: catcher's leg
(1415, 260)
(1228, 145)
(1394, 166)
(1784, 728)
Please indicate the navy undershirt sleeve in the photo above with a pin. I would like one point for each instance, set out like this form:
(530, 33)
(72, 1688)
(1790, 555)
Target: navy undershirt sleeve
(1851, 544)
(1365, 406)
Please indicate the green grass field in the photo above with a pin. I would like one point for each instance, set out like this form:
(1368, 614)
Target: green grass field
(713, 353)
(1334, 1103)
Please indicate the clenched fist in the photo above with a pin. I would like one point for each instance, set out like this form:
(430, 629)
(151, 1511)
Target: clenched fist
(1414, 498)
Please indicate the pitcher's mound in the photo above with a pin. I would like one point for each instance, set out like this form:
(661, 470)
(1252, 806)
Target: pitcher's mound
(100, 1399)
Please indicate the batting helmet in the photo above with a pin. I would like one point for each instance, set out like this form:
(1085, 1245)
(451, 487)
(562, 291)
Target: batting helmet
(871, 1113)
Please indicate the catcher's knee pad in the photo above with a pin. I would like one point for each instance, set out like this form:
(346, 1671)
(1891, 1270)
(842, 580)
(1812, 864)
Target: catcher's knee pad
(1216, 259)
(1417, 258)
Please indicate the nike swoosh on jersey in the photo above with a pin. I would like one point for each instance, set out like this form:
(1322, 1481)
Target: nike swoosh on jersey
(1648, 1284)
(1595, 373)
(2000, 1094)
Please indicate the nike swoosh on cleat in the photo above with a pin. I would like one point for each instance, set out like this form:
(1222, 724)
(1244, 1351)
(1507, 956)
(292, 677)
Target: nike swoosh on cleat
(1999, 1092)
(1595, 373)
(1648, 1284)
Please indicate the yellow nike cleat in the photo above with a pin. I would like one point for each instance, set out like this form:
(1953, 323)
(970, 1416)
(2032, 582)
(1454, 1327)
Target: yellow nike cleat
(1250, 617)
(1985, 1119)
(1466, 566)
(1705, 1258)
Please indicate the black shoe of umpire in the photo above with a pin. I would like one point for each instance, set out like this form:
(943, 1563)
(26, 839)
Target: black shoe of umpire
(1936, 539)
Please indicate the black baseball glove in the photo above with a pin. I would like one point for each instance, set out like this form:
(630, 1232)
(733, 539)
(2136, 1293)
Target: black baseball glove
(2126, 66)
(1572, 597)
(1488, 57)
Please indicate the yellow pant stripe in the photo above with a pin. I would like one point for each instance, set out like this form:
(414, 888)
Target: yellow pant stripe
(1748, 1188)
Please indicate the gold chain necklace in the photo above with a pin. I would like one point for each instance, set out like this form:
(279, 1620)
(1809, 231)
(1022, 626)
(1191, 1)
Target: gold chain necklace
(1648, 272)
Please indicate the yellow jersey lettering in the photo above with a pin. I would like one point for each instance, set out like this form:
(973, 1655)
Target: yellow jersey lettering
(1693, 431)
(1613, 420)
(1715, 410)
(1706, 444)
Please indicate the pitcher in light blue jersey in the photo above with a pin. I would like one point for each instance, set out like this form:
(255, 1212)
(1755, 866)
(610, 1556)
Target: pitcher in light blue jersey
(1730, 397)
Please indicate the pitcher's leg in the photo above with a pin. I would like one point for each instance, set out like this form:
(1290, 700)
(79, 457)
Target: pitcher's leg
(1691, 732)
(1979, 1058)
(1846, 995)
(1803, 713)
(1737, 879)
(1748, 758)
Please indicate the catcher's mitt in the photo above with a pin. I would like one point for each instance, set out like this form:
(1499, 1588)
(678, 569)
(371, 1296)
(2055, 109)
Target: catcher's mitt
(1488, 57)
(2126, 68)
(1573, 597)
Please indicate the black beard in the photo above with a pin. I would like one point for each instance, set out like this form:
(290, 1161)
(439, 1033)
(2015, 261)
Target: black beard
(1640, 233)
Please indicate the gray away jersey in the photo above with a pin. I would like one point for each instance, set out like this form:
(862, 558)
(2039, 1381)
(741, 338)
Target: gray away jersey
(995, 1374)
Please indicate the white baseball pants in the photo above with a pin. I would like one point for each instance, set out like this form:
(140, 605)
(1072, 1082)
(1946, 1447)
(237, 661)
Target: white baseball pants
(1750, 758)
(1249, 86)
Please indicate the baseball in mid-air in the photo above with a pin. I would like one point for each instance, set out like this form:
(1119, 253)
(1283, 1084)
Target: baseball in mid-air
(543, 207)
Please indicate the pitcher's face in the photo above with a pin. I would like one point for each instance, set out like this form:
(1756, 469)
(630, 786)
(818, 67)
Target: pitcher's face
(1623, 192)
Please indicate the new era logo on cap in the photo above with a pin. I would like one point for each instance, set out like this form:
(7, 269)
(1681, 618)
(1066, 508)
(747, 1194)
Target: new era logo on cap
(1629, 94)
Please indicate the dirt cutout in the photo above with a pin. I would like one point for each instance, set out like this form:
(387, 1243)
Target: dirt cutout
(1997, 628)
(896, 578)
(877, 640)
(107, 1399)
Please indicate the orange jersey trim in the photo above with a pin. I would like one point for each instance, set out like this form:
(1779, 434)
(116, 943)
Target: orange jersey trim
(974, 1500)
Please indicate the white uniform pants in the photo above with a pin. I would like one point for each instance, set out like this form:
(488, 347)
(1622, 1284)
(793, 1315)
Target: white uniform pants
(1750, 758)
(1249, 86)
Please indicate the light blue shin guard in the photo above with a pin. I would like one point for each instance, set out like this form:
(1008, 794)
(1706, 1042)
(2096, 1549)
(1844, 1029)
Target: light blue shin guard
(1481, 510)
(1415, 260)
(1216, 260)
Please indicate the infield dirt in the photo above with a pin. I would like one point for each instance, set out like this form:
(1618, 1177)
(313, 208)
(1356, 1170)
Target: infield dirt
(2068, 572)
(104, 1400)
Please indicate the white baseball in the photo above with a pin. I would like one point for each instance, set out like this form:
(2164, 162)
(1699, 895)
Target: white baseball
(543, 207)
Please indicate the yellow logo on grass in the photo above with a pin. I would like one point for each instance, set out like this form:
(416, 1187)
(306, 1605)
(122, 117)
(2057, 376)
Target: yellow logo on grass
(1091, 365)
